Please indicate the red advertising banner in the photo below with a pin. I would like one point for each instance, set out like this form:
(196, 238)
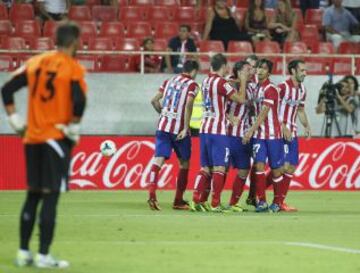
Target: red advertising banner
(325, 164)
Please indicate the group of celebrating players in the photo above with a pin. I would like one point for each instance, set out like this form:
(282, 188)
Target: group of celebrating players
(245, 116)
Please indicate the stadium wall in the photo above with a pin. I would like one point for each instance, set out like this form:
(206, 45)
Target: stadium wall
(119, 104)
(325, 164)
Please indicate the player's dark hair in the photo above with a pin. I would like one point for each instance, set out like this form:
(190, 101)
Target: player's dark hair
(238, 66)
(67, 33)
(252, 57)
(185, 26)
(268, 63)
(190, 65)
(294, 64)
(217, 61)
(350, 77)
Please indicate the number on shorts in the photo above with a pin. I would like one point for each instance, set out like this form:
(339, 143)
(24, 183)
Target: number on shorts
(256, 149)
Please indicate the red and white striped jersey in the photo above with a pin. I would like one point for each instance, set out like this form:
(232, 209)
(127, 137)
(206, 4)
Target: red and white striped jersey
(216, 92)
(292, 97)
(175, 94)
(267, 94)
(242, 113)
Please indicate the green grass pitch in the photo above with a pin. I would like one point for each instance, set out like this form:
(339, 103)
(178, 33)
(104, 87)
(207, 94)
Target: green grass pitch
(114, 232)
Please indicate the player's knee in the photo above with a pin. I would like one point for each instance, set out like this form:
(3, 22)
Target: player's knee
(243, 173)
(184, 164)
(259, 167)
(219, 169)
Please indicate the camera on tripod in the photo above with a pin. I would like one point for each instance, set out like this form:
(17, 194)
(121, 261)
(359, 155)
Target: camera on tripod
(329, 92)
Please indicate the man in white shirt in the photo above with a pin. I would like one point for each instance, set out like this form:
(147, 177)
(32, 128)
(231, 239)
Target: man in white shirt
(53, 9)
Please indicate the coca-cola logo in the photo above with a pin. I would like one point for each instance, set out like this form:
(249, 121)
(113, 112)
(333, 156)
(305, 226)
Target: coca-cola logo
(128, 167)
(337, 166)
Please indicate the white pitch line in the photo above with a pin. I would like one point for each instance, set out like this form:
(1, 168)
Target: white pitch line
(324, 247)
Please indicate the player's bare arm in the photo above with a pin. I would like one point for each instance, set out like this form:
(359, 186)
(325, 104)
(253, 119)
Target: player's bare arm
(155, 102)
(304, 121)
(259, 120)
(286, 132)
(239, 96)
(188, 111)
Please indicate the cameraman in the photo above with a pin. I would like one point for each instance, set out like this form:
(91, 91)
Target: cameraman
(339, 105)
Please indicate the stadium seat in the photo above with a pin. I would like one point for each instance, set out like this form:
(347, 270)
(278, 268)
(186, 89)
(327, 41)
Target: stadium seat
(202, 14)
(91, 63)
(49, 29)
(241, 3)
(189, 3)
(91, 3)
(357, 64)
(41, 43)
(112, 30)
(88, 30)
(324, 48)
(342, 66)
(160, 44)
(6, 63)
(318, 65)
(127, 44)
(141, 2)
(122, 3)
(138, 30)
(21, 12)
(3, 12)
(348, 48)
(16, 43)
(299, 18)
(160, 14)
(5, 28)
(27, 29)
(166, 30)
(295, 48)
(114, 63)
(100, 43)
(197, 28)
(166, 2)
(131, 13)
(240, 47)
(309, 34)
(314, 17)
(185, 15)
(267, 47)
(104, 13)
(211, 46)
(80, 13)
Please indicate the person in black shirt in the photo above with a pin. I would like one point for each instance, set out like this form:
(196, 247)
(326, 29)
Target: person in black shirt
(181, 43)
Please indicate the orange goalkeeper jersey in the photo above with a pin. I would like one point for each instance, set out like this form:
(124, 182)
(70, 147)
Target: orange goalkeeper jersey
(49, 78)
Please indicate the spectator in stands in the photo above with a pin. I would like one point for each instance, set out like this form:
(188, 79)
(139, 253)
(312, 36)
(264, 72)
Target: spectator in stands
(339, 23)
(343, 105)
(152, 63)
(222, 25)
(181, 43)
(353, 6)
(114, 3)
(354, 90)
(309, 4)
(283, 25)
(53, 9)
(256, 22)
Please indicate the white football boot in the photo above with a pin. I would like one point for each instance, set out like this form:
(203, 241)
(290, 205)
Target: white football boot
(23, 258)
(48, 261)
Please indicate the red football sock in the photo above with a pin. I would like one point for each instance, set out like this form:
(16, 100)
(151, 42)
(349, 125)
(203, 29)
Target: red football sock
(206, 192)
(218, 183)
(237, 190)
(269, 180)
(260, 182)
(200, 184)
(181, 184)
(286, 184)
(252, 190)
(278, 189)
(154, 173)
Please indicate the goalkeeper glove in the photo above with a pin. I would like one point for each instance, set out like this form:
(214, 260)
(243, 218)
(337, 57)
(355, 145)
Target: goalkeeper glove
(17, 123)
(71, 131)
